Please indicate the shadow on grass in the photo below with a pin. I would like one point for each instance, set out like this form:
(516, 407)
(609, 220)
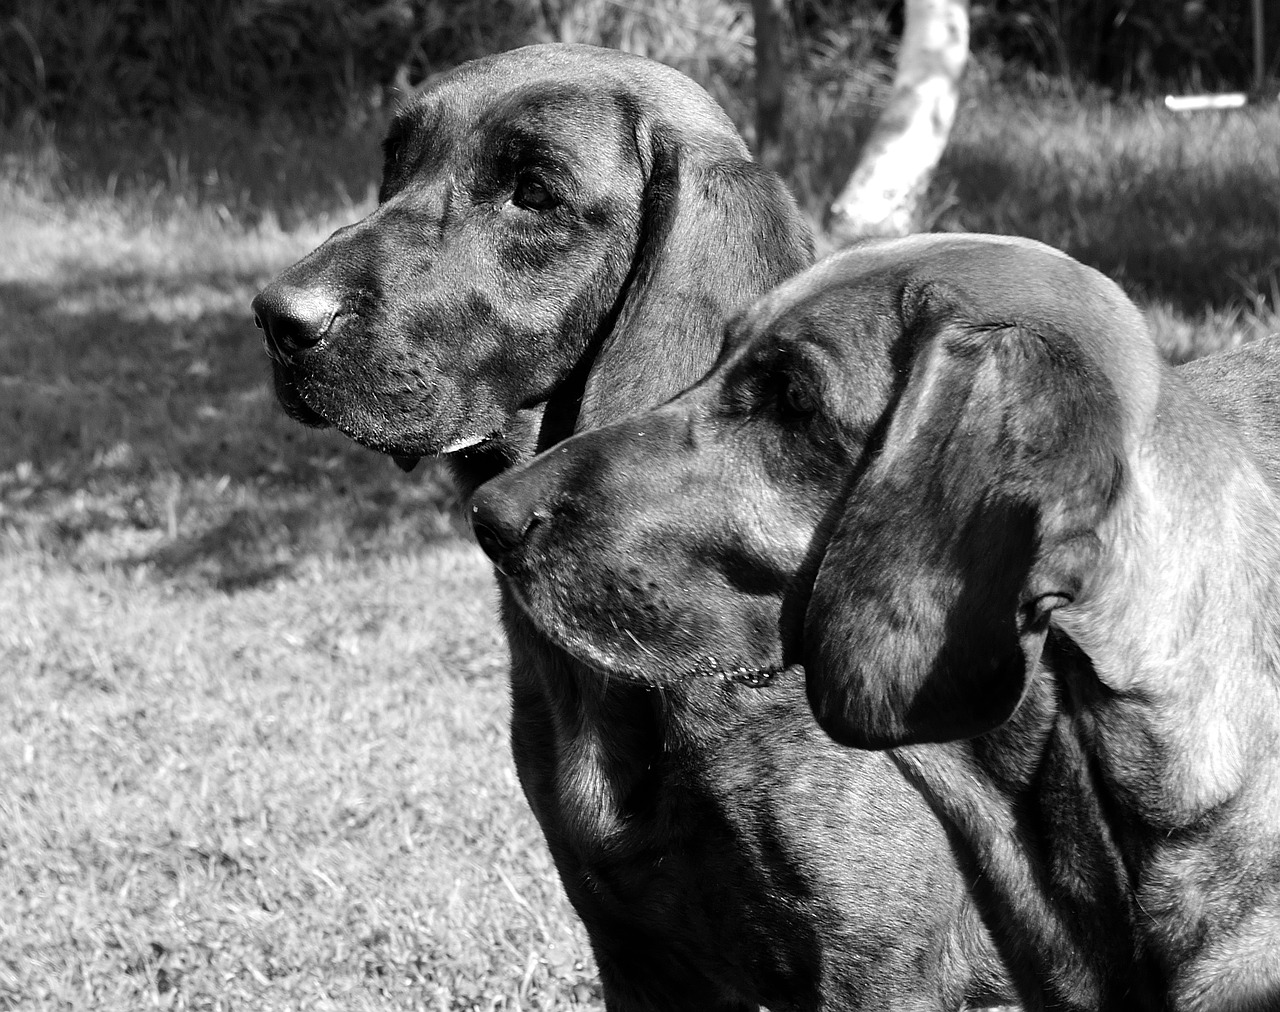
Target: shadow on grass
(138, 428)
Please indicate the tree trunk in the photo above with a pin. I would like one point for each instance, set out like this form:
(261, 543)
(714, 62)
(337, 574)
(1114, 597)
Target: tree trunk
(884, 196)
(770, 80)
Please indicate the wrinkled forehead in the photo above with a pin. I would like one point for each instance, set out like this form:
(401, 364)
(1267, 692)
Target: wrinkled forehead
(990, 281)
(1007, 273)
(644, 83)
(560, 122)
(581, 105)
(983, 282)
(850, 310)
(833, 314)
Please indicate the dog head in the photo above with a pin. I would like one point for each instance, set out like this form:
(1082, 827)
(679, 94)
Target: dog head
(893, 474)
(560, 233)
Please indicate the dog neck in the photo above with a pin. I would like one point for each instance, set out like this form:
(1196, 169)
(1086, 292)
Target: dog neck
(1037, 843)
(1180, 699)
(1179, 621)
(1099, 825)
(584, 746)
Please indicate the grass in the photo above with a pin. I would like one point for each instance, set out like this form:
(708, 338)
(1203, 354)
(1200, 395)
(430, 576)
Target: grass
(253, 753)
(296, 796)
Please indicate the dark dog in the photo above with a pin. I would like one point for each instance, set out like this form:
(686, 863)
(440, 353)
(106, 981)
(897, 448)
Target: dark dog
(561, 234)
(951, 476)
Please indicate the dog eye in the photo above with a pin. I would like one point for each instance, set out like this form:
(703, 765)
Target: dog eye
(532, 194)
(796, 399)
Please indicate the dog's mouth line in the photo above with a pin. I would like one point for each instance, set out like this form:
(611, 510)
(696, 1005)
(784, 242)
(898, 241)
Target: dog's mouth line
(298, 403)
(744, 675)
(318, 418)
(408, 461)
(705, 669)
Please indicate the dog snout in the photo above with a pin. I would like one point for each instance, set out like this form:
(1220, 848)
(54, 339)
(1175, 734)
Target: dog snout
(292, 318)
(501, 522)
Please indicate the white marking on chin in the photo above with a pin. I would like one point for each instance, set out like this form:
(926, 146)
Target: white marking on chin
(463, 444)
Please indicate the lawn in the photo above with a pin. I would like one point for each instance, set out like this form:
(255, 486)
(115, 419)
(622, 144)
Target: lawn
(253, 753)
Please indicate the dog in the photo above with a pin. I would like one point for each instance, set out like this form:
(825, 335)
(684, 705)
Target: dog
(561, 234)
(951, 478)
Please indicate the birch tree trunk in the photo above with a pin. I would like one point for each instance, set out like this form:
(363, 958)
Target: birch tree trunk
(885, 193)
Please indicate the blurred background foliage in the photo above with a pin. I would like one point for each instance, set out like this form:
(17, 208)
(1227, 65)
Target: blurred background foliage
(152, 59)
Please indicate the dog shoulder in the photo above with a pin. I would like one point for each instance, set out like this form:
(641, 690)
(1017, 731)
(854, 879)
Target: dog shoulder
(1242, 386)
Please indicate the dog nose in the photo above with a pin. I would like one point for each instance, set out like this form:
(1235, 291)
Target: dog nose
(293, 319)
(501, 523)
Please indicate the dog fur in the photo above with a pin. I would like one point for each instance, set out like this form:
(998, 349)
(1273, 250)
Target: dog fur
(561, 234)
(951, 476)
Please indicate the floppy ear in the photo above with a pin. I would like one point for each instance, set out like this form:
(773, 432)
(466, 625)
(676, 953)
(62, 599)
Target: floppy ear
(932, 601)
(717, 230)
